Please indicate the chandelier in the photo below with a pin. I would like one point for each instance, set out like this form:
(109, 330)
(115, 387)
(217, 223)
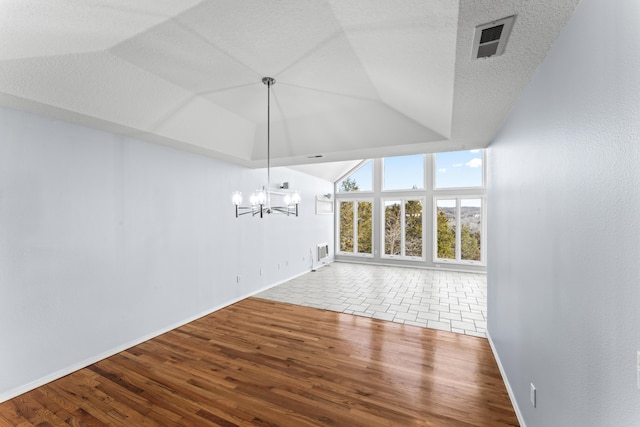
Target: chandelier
(260, 200)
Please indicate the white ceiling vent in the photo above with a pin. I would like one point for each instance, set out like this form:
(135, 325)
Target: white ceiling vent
(490, 39)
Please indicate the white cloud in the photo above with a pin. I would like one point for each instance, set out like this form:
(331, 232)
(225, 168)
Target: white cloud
(457, 165)
(474, 151)
(474, 163)
(442, 170)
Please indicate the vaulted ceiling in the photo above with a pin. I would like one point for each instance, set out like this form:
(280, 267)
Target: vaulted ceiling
(354, 78)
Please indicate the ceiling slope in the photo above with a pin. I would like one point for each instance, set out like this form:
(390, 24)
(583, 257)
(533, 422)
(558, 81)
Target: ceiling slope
(356, 79)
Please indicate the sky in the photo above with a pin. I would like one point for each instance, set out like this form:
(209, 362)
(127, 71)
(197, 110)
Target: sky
(404, 172)
(459, 169)
(364, 177)
(452, 169)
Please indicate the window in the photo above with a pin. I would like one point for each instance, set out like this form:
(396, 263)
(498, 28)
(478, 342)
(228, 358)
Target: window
(459, 169)
(403, 228)
(404, 172)
(424, 209)
(360, 180)
(458, 227)
(354, 226)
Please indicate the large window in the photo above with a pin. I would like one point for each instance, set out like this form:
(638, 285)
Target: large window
(424, 208)
(458, 227)
(355, 221)
(403, 228)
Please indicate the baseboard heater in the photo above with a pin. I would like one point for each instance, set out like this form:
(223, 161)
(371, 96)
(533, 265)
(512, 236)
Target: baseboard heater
(323, 252)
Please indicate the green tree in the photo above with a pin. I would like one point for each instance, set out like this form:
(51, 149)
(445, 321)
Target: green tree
(392, 229)
(348, 184)
(364, 227)
(413, 228)
(446, 237)
(346, 226)
(469, 244)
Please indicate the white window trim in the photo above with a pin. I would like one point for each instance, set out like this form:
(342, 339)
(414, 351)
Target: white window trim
(483, 239)
(355, 200)
(402, 200)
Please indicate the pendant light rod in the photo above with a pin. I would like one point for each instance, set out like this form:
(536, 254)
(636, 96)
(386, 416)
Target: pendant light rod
(269, 81)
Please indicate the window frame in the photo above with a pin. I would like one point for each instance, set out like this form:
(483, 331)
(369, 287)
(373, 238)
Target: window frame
(403, 199)
(483, 229)
(338, 209)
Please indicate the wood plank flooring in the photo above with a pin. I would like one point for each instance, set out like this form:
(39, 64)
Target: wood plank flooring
(265, 363)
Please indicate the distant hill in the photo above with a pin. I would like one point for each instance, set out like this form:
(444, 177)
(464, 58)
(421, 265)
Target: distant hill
(469, 215)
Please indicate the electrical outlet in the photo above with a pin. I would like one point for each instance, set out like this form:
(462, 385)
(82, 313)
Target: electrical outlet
(237, 279)
(532, 394)
(261, 272)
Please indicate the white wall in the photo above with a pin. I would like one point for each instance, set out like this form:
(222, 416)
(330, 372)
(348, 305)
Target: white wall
(105, 241)
(564, 234)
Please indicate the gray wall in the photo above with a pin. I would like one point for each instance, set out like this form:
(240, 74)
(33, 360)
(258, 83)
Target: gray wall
(106, 241)
(564, 235)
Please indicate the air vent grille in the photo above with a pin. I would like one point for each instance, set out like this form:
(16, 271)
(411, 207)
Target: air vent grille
(491, 38)
(491, 34)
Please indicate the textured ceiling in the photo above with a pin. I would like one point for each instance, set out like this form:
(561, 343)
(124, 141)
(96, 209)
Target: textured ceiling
(355, 79)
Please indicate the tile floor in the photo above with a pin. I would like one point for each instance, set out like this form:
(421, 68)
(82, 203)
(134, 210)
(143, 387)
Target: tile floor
(446, 300)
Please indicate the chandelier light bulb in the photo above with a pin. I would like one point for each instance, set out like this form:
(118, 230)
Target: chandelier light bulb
(261, 197)
(236, 198)
(295, 198)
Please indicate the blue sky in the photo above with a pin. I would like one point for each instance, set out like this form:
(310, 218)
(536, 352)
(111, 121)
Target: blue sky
(404, 172)
(452, 169)
(459, 169)
(364, 177)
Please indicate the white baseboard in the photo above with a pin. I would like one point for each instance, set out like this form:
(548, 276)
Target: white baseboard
(512, 396)
(90, 361)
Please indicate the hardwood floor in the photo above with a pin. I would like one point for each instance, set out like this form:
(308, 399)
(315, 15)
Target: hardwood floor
(265, 363)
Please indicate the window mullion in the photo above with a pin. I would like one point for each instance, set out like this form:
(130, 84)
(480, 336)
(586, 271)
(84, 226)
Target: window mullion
(458, 231)
(355, 227)
(402, 227)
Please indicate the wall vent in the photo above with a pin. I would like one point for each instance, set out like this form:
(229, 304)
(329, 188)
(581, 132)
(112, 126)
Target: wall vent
(490, 39)
(323, 251)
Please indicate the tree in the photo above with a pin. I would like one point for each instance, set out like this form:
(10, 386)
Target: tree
(364, 227)
(349, 184)
(413, 228)
(469, 244)
(392, 229)
(346, 226)
(446, 237)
